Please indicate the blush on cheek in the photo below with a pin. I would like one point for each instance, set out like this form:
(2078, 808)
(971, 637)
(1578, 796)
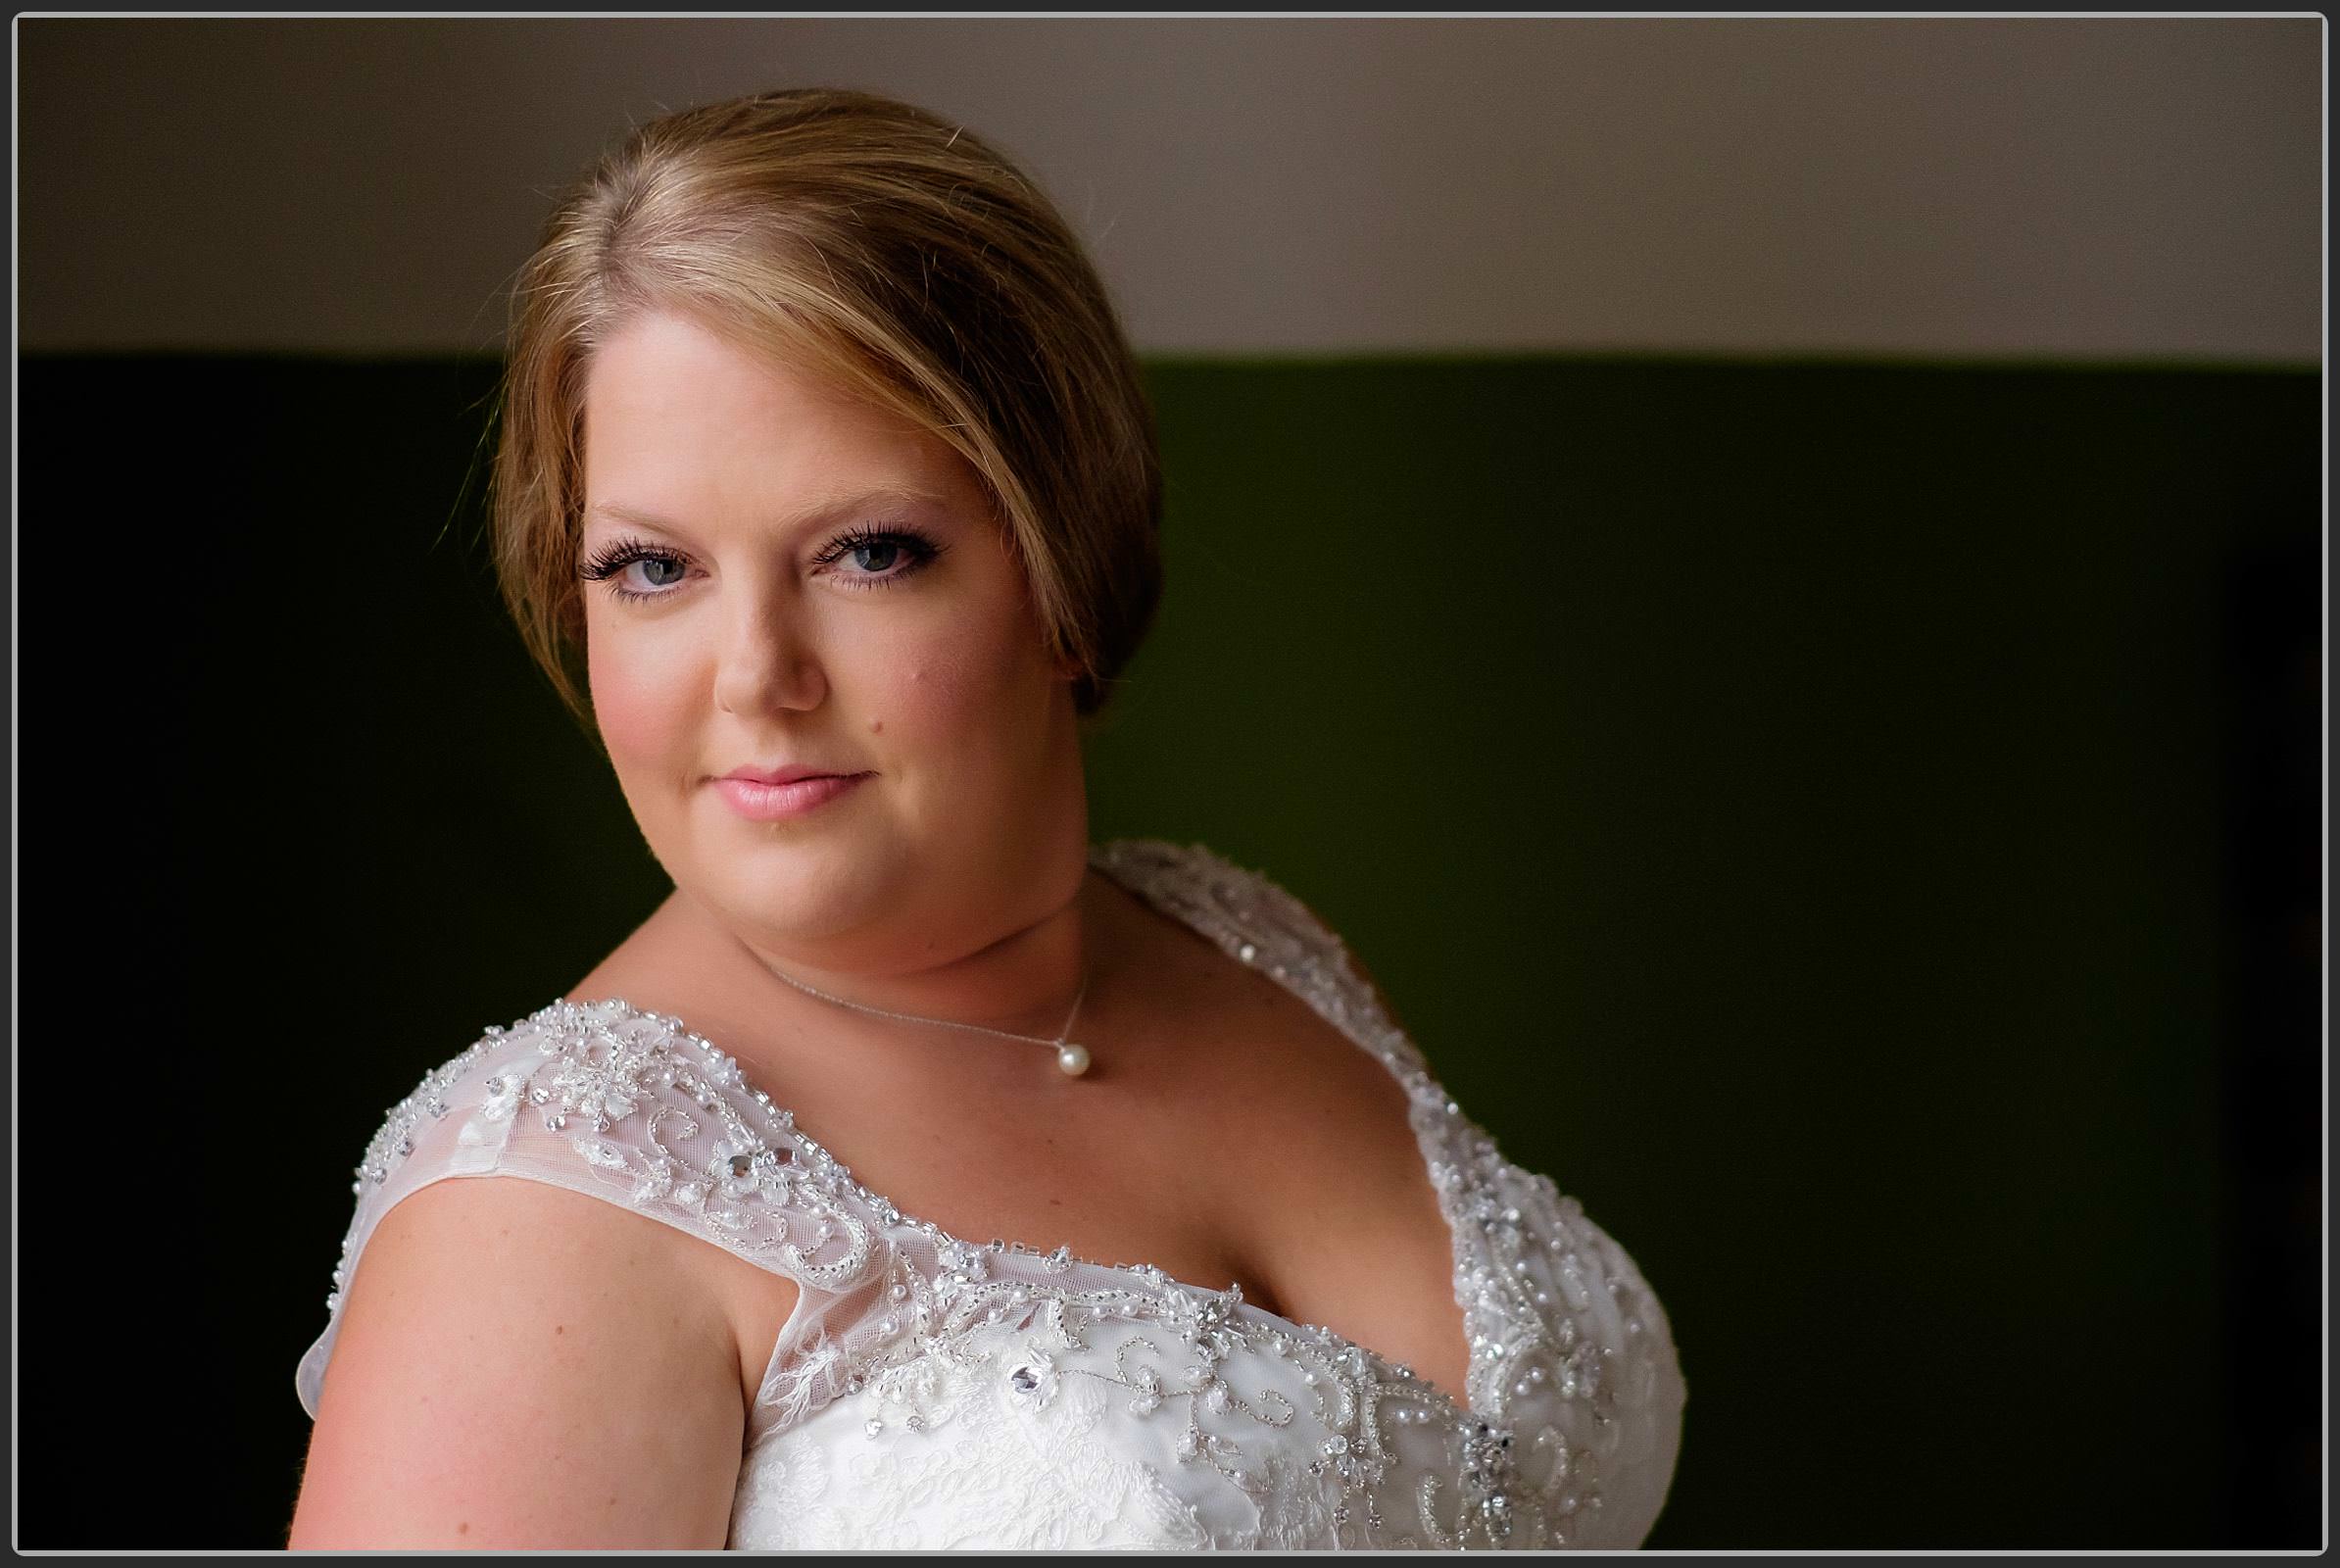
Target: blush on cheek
(966, 702)
(938, 693)
(642, 723)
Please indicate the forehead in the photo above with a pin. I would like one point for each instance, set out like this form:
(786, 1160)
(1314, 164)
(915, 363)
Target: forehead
(677, 414)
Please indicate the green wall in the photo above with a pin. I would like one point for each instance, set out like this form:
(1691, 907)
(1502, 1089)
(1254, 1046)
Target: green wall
(1791, 804)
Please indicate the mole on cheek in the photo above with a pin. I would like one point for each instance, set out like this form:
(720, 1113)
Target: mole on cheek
(876, 724)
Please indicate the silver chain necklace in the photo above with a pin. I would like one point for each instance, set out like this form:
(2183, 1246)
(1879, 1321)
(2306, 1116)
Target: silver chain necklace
(1071, 1061)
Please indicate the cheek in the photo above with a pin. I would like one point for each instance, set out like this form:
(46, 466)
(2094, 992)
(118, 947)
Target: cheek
(634, 702)
(953, 684)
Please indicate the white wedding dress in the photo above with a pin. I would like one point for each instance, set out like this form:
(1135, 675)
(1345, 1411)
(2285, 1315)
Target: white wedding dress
(928, 1391)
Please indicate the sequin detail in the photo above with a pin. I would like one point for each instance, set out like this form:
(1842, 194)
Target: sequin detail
(1326, 1443)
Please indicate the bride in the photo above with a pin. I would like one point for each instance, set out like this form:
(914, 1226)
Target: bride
(919, 1174)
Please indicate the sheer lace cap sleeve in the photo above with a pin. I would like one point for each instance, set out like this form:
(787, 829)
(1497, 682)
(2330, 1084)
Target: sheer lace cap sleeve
(630, 1107)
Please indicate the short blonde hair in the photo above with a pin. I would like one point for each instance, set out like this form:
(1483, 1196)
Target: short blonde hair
(903, 259)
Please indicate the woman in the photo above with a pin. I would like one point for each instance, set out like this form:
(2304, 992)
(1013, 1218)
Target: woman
(821, 440)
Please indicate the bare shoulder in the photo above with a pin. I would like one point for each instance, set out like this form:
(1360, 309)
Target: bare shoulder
(518, 1365)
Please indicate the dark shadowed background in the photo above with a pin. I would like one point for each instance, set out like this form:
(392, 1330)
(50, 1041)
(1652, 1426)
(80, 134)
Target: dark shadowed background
(1850, 815)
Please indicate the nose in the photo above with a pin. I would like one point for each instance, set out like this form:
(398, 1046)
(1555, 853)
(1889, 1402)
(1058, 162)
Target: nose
(767, 660)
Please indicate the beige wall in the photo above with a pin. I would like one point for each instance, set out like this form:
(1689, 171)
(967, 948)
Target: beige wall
(2147, 187)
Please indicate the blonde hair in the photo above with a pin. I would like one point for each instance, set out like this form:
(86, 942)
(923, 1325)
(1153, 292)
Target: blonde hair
(903, 259)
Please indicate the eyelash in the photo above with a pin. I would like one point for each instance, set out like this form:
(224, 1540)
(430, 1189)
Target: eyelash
(919, 551)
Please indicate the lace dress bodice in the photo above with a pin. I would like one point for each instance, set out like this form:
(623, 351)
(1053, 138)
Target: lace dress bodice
(928, 1391)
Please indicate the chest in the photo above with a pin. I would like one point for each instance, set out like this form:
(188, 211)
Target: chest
(1231, 1136)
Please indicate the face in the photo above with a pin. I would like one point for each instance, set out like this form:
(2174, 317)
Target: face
(778, 576)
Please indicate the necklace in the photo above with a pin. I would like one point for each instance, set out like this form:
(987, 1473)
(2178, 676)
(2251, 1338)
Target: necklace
(1071, 1061)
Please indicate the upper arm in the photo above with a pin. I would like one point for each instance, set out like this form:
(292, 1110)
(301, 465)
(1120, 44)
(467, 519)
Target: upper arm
(519, 1365)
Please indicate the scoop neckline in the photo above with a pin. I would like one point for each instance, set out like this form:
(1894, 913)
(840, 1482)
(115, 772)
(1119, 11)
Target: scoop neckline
(1157, 1280)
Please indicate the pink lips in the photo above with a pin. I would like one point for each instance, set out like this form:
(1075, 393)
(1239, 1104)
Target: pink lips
(802, 792)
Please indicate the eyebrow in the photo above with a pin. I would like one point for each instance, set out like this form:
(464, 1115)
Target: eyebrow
(818, 513)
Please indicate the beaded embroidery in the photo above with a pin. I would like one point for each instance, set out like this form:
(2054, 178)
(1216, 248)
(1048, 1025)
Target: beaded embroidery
(630, 1089)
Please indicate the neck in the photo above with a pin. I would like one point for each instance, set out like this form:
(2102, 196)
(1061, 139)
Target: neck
(1023, 982)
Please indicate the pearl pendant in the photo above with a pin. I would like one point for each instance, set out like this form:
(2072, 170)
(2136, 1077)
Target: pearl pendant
(1072, 1060)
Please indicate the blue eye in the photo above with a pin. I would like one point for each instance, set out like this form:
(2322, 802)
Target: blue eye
(883, 556)
(612, 560)
(907, 547)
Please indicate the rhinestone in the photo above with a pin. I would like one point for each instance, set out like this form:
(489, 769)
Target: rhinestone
(1024, 1378)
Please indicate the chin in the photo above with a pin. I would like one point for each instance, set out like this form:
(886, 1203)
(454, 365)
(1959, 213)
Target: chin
(779, 877)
